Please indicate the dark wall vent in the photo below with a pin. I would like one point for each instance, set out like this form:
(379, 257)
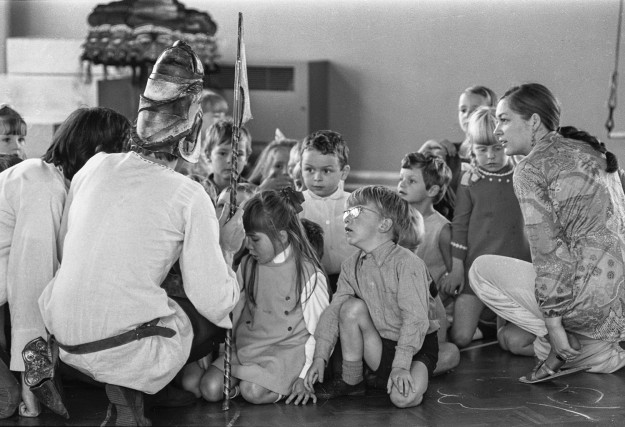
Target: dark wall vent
(259, 78)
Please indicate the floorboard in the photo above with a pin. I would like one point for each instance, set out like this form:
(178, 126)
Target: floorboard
(482, 391)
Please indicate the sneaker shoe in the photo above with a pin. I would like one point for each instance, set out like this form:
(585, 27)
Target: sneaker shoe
(338, 387)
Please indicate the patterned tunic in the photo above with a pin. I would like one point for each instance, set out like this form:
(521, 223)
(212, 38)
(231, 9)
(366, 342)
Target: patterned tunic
(574, 215)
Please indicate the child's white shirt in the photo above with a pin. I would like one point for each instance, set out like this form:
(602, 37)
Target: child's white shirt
(328, 213)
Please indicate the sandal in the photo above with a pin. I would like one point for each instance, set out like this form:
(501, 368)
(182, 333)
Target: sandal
(543, 372)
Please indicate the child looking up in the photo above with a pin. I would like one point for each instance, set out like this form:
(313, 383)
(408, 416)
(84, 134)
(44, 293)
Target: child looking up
(12, 132)
(382, 309)
(219, 153)
(422, 183)
(324, 169)
(487, 220)
(283, 294)
(272, 167)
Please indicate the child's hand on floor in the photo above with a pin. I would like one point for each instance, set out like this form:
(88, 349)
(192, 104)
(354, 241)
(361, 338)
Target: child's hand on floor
(315, 373)
(401, 379)
(299, 393)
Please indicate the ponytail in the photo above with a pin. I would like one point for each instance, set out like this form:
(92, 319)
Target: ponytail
(580, 135)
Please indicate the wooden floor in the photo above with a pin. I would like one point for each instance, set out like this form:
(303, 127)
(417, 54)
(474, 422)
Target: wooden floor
(482, 391)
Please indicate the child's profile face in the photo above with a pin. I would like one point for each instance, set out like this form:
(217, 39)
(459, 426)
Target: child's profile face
(411, 186)
(13, 145)
(362, 224)
(490, 157)
(220, 158)
(322, 173)
(260, 247)
(467, 104)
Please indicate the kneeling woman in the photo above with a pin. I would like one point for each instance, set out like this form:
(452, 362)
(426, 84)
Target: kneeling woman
(571, 296)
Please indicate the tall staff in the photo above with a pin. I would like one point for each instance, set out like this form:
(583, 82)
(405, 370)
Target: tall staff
(241, 114)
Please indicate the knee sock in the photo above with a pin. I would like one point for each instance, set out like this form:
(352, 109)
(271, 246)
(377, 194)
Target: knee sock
(352, 371)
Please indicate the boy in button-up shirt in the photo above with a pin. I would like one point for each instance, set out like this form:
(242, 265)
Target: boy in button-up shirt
(382, 309)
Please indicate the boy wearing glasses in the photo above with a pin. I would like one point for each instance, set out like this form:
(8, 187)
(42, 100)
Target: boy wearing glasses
(324, 168)
(382, 308)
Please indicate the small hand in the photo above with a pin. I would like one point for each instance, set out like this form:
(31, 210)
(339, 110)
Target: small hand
(231, 231)
(276, 181)
(29, 407)
(315, 373)
(453, 283)
(564, 345)
(299, 393)
(402, 380)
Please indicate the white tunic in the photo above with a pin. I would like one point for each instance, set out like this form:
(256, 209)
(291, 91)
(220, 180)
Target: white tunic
(128, 220)
(32, 195)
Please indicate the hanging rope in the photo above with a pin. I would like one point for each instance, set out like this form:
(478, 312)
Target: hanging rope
(614, 83)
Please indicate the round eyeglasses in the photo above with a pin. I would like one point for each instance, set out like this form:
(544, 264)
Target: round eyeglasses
(355, 211)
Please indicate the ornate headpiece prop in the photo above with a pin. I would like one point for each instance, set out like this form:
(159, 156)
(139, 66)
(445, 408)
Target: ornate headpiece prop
(170, 115)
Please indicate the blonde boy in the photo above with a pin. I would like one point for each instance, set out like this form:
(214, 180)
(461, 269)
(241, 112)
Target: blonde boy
(382, 308)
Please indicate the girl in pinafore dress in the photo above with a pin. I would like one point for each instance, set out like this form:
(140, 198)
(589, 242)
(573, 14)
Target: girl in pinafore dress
(283, 294)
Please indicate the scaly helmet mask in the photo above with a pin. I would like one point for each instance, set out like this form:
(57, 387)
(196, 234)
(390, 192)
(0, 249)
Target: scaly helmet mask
(170, 114)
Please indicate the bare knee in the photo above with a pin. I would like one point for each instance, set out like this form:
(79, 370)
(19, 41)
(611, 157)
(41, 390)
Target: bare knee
(520, 343)
(461, 337)
(410, 401)
(352, 310)
(211, 385)
(255, 393)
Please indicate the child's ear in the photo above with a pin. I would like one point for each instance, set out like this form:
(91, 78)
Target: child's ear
(386, 225)
(284, 237)
(433, 191)
(344, 172)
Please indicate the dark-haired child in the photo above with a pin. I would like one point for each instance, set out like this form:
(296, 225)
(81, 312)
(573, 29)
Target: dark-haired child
(324, 163)
(423, 181)
(383, 308)
(12, 132)
(283, 294)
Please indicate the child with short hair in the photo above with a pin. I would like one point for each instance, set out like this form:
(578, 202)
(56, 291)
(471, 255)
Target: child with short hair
(382, 309)
(283, 294)
(271, 170)
(12, 132)
(325, 167)
(487, 221)
(219, 153)
(422, 183)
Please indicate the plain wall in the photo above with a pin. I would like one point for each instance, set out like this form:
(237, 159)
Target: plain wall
(398, 67)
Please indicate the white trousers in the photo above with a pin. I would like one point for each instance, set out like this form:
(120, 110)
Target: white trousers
(506, 286)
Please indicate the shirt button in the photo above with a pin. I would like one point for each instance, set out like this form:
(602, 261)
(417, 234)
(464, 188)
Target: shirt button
(327, 222)
(288, 298)
(248, 322)
(286, 312)
(290, 328)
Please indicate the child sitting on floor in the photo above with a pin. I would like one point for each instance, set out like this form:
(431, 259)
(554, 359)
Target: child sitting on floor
(12, 132)
(283, 294)
(422, 183)
(487, 221)
(382, 308)
(324, 158)
(219, 153)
